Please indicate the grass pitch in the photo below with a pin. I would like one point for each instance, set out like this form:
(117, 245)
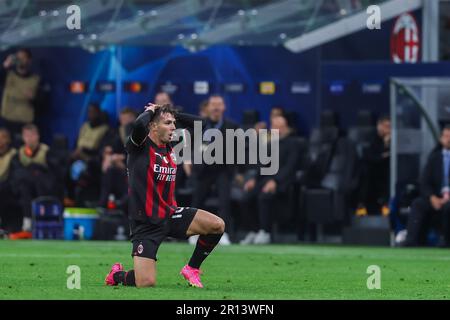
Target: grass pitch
(37, 270)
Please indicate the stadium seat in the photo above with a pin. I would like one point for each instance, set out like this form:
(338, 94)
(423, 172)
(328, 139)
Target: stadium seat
(324, 135)
(320, 149)
(328, 202)
(292, 119)
(288, 214)
(329, 118)
(59, 155)
(47, 217)
(368, 230)
(361, 136)
(365, 118)
(111, 225)
(249, 118)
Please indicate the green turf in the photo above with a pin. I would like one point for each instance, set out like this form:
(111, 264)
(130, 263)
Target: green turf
(37, 270)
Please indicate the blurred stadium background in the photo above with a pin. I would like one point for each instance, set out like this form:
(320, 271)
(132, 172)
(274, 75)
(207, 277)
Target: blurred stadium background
(318, 61)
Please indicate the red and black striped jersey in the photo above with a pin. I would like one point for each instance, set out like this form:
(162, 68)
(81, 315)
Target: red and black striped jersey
(151, 172)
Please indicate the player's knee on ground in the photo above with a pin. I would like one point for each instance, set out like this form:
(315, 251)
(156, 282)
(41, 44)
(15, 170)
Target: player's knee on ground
(218, 226)
(148, 281)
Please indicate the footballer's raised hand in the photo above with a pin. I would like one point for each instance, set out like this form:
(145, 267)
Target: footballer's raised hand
(152, 107)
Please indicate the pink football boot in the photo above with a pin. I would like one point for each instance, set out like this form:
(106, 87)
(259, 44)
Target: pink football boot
(192, 275)
(109, 280)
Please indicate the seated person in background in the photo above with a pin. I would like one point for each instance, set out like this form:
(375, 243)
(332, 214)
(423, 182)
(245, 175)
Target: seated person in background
(118, 136)
(85, 163)
(114, 185)
(184, 177)
(266, 189)
(32, 172)
(187, 165)
(91, 135)
(276, 111)
(184, 171)
(375, 176)
(162, 98)
(434, 200)
(6, 195)
(243, 170)
(126, 119)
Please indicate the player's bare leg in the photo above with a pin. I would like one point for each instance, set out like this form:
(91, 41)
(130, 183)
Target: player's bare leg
(143, 275)
(210, 228)
(145, 272)
(205, 223)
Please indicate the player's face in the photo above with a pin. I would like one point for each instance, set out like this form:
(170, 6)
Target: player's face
(166, 127)
(445, 139)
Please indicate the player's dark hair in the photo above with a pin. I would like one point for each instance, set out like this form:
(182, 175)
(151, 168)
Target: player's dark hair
(165, 108)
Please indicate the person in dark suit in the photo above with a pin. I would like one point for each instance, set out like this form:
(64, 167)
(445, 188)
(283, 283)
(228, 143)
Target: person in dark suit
(433, 203)
(219, 175)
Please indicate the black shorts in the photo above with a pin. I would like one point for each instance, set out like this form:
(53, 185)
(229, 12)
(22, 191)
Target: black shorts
(147, 237)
